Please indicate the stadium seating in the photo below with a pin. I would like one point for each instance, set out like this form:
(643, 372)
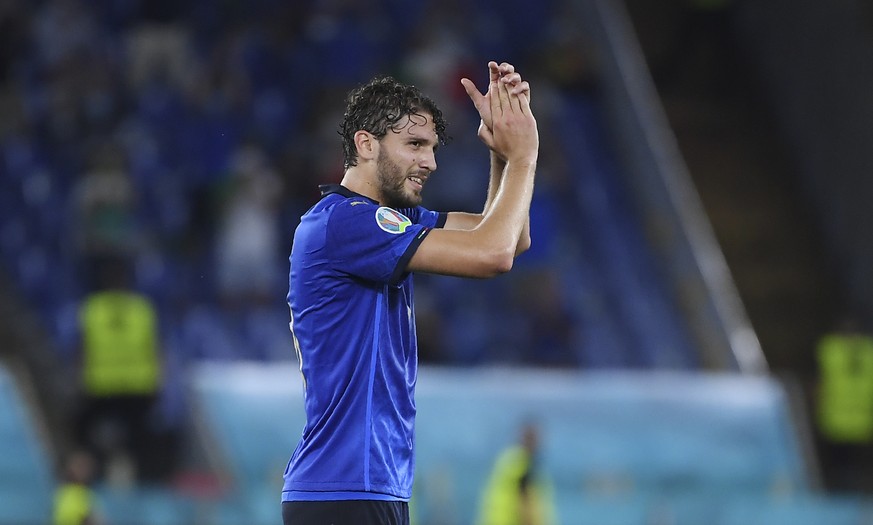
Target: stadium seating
(144, 506)
(619, 448)
(178, 153)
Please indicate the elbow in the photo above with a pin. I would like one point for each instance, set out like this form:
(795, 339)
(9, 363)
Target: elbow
(504, 265)
(523, 245)
(498, 263)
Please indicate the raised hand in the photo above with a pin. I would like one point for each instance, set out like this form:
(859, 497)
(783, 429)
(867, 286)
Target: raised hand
(513, 131)
(498, 73)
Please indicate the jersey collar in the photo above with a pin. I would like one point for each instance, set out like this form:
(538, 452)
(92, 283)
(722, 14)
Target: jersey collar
(327, 189)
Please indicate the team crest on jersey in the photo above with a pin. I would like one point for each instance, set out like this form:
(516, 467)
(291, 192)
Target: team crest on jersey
(392, 221)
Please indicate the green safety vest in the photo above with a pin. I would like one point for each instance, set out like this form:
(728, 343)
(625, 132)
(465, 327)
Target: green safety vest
(501, 502)
(120, 344)
(73, 504)
(845, 403)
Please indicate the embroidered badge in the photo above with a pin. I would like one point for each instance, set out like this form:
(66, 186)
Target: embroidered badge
(391, 221)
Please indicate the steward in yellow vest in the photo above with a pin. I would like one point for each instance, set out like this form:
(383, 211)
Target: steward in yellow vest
(121, 378)
(845, 402)
(119, 344)
(517, 493)
(844, 409)
(74, 501)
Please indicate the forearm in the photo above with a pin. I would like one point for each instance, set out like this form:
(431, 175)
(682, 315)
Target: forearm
(498, 165)
(489, 248)
(507, 218)
(496, 176)
(486, 245)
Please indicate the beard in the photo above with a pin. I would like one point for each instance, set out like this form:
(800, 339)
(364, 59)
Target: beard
(392, 184)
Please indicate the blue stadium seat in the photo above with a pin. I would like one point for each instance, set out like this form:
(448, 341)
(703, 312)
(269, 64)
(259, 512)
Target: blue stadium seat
(798, 510)
(255, 413)
(618, 446)
(23, 507)
(145, 506)
(178, 148)
(629, 509)
(267, 333)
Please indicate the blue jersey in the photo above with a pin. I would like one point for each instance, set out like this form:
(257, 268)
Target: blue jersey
(353, 323)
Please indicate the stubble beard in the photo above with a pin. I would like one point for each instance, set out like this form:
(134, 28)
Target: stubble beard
(392, 184)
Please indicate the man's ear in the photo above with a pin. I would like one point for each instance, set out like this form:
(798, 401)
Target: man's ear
(366, 144)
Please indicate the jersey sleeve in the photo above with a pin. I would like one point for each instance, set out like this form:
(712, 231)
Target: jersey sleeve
(375, 242)
(425, 217)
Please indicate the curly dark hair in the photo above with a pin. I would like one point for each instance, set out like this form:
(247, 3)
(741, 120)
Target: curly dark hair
(378, 106)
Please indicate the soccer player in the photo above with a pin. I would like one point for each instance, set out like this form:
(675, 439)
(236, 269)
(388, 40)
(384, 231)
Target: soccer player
(350, 288)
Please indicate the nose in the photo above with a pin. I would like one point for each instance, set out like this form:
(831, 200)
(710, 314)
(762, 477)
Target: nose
(428, 161)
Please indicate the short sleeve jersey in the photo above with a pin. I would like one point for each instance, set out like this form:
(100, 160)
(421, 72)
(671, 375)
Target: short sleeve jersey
(353, 322)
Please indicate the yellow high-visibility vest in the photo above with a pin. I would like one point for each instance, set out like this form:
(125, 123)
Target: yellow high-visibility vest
(73, 504)
(120, 344)
(845, 403)
(501, 502)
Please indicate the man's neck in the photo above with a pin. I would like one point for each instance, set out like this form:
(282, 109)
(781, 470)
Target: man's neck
(358, 181)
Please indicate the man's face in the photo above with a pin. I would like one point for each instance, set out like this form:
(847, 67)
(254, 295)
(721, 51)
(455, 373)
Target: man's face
(405, 161)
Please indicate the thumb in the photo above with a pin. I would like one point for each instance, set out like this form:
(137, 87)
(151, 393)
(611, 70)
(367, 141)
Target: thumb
(472, 92)
(485, 134)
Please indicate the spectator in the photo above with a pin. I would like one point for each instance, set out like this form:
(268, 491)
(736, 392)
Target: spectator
(845, 406)
(74, 502)
(248, 256)
(104, 201)
(518, 492)
(121, 374)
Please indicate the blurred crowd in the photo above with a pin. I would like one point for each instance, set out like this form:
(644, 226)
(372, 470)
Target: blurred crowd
(180, 141)
(189, 137)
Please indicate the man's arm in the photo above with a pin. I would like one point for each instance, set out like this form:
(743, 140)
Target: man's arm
(468, 221)
(498, 166)
(489, 248)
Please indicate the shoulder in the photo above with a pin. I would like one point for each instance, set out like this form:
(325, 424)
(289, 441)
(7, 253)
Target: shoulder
(424, 216)
(357, 214)
(334, 210)
(338, 205)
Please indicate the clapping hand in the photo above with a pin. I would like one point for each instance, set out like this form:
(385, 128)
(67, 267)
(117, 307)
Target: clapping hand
(503, 73)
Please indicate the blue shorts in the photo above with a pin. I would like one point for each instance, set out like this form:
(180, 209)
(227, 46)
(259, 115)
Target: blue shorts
(350, 512)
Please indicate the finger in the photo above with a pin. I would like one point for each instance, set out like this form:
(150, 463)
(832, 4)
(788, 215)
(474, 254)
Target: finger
(480, 102)
(495, 98)
(511, 78)
(513, 100)
(505, 68)
(524, 102)
(493, 71)
(522, 88)
(503, 97)
(472, 92)
(485, 134)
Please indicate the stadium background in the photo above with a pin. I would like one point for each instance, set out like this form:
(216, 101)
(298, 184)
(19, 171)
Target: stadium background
(679, 140)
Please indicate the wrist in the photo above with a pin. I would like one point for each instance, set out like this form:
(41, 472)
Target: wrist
(528, 160)
(497, 158)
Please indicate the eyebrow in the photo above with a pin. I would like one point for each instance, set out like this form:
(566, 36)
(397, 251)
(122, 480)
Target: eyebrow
(428, 138)
(435, 144)
(417, 131)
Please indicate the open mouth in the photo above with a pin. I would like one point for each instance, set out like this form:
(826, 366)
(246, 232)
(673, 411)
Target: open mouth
(418, 182)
